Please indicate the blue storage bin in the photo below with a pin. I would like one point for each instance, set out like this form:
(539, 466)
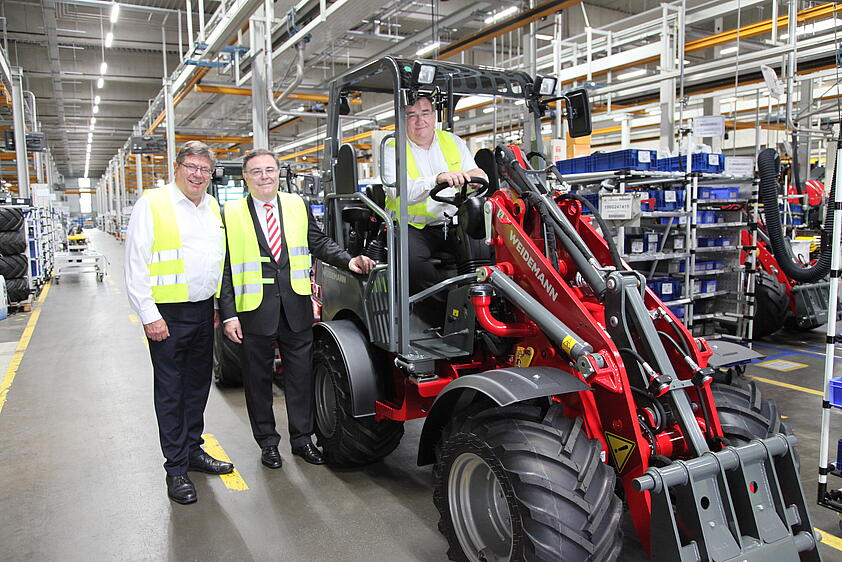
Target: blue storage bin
(581, 165)
(629, 159)
(709, 192)
(669, 200)
(709, 286)
(678, 311)
(836, 392)
(702, 162)
(705, 217)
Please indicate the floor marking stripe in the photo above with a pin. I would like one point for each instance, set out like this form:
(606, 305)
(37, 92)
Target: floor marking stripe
(792, 351)
(232, 481)
(12, 369)
(111, 282)
(830, 540)
(134, 318)
(789, 386)
(44, 291)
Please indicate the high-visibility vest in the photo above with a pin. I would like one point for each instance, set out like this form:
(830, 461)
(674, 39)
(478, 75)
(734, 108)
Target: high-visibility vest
(419, 213)
(166, 268)
(244, 250)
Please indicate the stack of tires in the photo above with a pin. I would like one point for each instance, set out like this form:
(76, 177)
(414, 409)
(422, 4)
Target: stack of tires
(14, 265)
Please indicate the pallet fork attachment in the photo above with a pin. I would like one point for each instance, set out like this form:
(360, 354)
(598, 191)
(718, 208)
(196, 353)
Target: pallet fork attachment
(739, 504)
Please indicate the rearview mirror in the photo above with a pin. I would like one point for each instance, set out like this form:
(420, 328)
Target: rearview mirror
(578, 112)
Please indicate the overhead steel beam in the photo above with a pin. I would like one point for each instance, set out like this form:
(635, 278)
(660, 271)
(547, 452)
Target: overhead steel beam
(48, 9)
(515, 22)
(234, 91)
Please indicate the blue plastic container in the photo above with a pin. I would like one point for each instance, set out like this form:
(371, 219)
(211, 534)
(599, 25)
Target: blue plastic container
(678, 311)
(702, 162)
(629, 159)
(580, 165)
(718, 192)
(669, 200)
(836, 392)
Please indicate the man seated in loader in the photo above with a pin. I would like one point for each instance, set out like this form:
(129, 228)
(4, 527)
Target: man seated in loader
(433, 157)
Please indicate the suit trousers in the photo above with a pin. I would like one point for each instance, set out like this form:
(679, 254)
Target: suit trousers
(258, 360)
(182, 366)
(424, 243)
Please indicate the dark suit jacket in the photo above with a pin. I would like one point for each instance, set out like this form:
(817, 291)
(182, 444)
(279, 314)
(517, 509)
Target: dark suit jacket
(298, 309)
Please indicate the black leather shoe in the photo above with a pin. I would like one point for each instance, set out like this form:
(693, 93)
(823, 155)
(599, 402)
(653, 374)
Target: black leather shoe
(180, 489)
(271, 457)
(203, 462)
(309, 453)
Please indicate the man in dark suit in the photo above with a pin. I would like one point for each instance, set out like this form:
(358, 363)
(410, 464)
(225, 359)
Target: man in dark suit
(265, 299)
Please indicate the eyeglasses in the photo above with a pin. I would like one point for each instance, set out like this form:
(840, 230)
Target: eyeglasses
(257, 172)
(196, 169)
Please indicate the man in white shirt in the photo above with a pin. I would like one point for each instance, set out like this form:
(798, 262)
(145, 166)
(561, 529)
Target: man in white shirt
(433, 157)
(175, 250)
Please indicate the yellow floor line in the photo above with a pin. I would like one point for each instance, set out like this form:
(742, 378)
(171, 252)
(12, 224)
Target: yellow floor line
(789, 386)
(111, 282)
(134, 318)
(232, 481)
(12, 369)
(44, 292)
(830, 540)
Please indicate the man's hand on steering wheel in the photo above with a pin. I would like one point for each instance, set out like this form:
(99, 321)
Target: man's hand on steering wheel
(453, 179)
(462, 195)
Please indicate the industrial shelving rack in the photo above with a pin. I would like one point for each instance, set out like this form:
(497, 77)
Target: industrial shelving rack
(726, 310)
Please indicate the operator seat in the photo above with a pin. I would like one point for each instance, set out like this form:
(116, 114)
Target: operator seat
(485, 161)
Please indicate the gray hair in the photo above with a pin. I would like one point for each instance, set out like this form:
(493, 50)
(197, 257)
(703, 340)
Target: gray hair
(195, 148)
(259, 152)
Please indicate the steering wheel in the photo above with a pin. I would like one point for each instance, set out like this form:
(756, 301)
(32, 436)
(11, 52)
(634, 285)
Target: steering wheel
(462, 195)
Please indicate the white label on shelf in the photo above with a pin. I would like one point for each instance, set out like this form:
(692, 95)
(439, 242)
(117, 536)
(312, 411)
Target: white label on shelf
(617, 206)
(666, 288)
(652, 238)
(644, 156)
(709, 126)
(678, 243)
(669, 196)
(739, 166)
(637, 246)
(713, 159)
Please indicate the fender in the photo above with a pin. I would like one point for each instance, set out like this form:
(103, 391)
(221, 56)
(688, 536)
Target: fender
(354, 349)
(503, 386)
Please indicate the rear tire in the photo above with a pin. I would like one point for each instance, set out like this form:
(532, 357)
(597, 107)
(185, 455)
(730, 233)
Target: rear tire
(772, 305)
(10, 219)
(346, 440)
(13, 266)
(17, 290)
(525, 483)
(227, 362)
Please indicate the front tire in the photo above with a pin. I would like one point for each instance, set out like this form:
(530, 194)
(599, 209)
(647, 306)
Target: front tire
(525, 483)
(745, 415)
(346, 441)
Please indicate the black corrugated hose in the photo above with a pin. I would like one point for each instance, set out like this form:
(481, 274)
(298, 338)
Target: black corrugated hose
(768, 166)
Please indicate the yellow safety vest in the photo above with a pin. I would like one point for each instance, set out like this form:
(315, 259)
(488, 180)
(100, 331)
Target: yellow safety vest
(166, 268)
(244, 250)
(419, 213)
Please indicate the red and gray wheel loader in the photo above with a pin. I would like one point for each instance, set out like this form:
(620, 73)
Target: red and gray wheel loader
(557, 389)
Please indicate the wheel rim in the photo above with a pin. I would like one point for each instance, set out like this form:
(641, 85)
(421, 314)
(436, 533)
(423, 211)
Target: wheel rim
(325, 402)
(479, 510)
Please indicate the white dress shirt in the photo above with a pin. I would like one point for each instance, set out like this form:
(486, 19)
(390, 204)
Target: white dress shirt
(430, 162)
(202, 241)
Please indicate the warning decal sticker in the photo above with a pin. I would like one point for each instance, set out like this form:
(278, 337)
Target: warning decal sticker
(621, 449)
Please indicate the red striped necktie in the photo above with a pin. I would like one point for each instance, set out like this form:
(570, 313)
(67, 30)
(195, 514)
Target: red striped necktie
(274, 231)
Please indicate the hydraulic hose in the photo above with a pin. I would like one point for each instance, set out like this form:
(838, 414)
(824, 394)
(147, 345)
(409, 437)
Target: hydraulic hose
(606, 231)
(768, 165)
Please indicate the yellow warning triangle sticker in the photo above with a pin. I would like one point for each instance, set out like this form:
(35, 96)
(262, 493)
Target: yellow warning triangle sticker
(621, 449)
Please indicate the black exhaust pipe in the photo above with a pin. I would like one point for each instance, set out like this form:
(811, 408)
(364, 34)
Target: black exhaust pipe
(768, 165)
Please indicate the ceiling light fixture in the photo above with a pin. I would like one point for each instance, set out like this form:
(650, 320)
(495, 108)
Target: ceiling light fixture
(109, 39)
(115, 12)
(542, 37)
(96, 109)
(428, 49)
(100, 83)
(729, 50)
(500, 15)
(632, 74)
(93, 120)
(103, 67)
(96, 100)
